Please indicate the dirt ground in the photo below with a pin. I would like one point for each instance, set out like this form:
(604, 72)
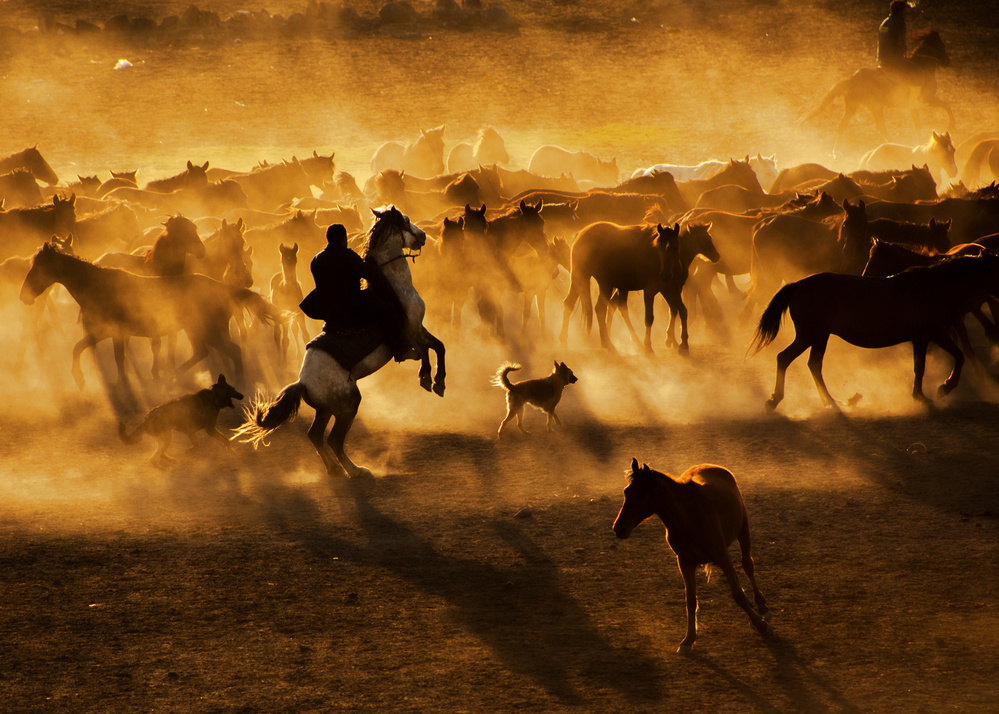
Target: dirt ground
(247, 580)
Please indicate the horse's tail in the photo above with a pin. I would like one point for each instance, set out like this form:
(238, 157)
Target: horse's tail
(135, 436)
(259, 307)
(837, 89)
(263, 417)
(502, 378)
(771, 318)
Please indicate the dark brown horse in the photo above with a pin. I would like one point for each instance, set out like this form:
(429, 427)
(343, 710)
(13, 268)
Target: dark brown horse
(704, 513)
(193, 176)
(19, 189)
(878, 89)
(227, 257)
(116, 305)
(920, 306)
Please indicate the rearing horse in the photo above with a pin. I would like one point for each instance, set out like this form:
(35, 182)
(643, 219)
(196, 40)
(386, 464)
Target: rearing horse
(329, 388)
(876, 88)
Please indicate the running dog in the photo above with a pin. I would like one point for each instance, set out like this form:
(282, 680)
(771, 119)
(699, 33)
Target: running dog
(187, 414)
(543, 393)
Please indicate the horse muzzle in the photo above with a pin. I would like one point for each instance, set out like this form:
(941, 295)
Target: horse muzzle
(28, 294)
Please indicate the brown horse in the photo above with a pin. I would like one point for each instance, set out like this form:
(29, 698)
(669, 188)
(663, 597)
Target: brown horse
(704, 513)
(226, 258)
(878, 89)
(920, 306)
(31, 160)
(555, 161)
(269, 187)
(19, 189)
(622, 258)
(116, 305)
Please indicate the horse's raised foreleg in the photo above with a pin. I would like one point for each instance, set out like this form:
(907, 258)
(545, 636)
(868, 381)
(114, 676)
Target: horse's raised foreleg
(427, 342)
(88, 341)
(954, 351)
(688, 570)
(784, 359)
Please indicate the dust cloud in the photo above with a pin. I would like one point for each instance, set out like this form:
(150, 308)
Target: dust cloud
(643, 83)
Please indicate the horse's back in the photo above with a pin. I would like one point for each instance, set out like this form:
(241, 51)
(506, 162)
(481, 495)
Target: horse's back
(716, 492)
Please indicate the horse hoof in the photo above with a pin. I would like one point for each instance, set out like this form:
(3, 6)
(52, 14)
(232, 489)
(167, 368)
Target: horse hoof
(768, 633)
(439, 388)
(685, 650)
(684, 350)
(766, 616)
(361, 473)
(426, 384)
(770, 407)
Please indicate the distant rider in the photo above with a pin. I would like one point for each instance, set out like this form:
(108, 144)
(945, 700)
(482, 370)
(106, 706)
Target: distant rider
(892, 50)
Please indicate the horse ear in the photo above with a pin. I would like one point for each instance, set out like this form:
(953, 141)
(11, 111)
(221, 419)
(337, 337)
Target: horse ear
(659, 228)
(221, 379)
(189, 166)
(225, 223)
(933, 223)
(676, 228)
(240, 224)
(860, 204)
(747, 158)
(205, 167)
(523, 205)
(846, 204)
(936, 137)
(634, 464)
(461, 223)
(539, 205)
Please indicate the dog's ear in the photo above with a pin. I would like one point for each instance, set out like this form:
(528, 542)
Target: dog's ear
(221, 379)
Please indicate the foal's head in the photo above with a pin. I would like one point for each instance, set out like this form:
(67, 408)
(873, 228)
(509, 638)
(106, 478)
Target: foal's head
(639, 499)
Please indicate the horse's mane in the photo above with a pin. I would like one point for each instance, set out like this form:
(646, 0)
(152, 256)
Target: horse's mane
(377, 233)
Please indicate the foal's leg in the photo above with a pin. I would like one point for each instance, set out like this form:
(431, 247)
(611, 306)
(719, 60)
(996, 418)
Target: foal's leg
(784, 359)
(750, 568)
(740, 596)
(688, 570)
(951, 382)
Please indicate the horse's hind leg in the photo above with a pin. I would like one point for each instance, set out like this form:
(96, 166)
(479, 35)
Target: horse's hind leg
(951, 382)
(343, 419)
(749, 567)
(739, 595)
(317, 435)
(918, 369)
(568, 305)
(437, 346)
(815, 357)
(784, 359)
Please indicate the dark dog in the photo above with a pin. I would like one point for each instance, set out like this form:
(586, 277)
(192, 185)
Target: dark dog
(187, 414)
(542, 393)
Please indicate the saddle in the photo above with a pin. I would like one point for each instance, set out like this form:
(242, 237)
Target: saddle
(349, 345)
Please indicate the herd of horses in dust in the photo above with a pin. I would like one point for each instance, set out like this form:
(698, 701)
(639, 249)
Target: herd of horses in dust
(877, 257)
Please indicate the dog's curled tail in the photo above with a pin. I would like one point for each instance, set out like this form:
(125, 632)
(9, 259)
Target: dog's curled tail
(502, 378)
(135, 436)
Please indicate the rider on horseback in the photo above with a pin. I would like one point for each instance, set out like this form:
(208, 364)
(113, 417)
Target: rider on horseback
(892, 49)
(340, 302)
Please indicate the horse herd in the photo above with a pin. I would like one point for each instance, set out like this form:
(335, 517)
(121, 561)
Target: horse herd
(874, 256)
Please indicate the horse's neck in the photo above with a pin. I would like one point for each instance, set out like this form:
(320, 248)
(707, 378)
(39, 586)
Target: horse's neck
(670, 501)
(77, 276)
(289, 271)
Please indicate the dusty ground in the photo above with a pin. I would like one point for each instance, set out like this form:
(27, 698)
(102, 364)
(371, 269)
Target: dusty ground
(248, 580)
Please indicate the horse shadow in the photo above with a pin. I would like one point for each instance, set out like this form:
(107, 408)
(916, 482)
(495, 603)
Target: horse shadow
(519, 611)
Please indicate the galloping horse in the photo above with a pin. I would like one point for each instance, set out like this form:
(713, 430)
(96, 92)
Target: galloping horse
(424, 157)
(920, 306)
(878, 89)
(703, 512)
(329, 388)
(116, 304)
